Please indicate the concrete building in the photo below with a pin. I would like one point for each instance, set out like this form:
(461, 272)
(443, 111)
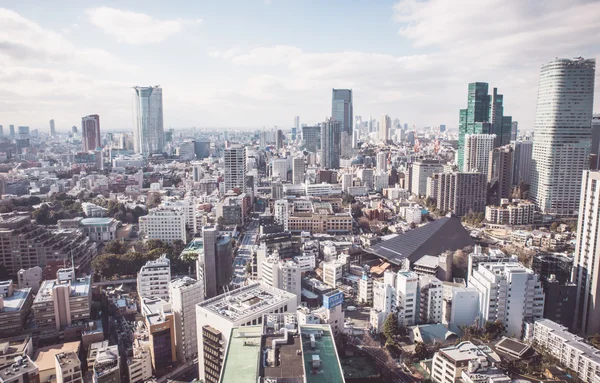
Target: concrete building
(523, 151)
(332, 272)
(509, 293)
(45, 359)
(216, 318)
(188, 205)
(284, 275)
(107, 366)
(384, 128)
(100, 229)
(21, 370)
(279, 139)
(562, 139)
(281, 213)
(139, 365)
(90, 132)
(15, 306)
(160, 323)
(366, 178)
(420, 171)
(586, 270)
(164, 223)
(500, 177)
(518, 212)
(153, 279)
(311, 138)
(298, 171)
(185, 294)
(430, 299)
(234, 172)
(450, 363)
(215, 259)
(382, 161)
(331, 150)
(477, 152)
(68, 368)
(62, 301)
(93, 211)
(148, 131)
(31, 277)
(461, 192)
(342, 112)
(462, 306)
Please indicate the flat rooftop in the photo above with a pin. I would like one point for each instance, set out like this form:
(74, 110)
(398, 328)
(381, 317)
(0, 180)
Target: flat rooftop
(241, 364)
(81, 287)
(152, 309)
(290, 360)
(463, 351)
(588, 351)
(68, 360)
(8, 372)
(44, 357)
(246, 301)
(15, 302)
(330, 370)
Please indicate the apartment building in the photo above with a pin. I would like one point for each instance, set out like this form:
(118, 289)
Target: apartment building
(160, 323)
(461, 192)
(15, 306)
(185, 294)
(517, 212)
(332, 272)
(164, 223)
(284, 275)
(139, 365)
(153, 279)
(68, 368)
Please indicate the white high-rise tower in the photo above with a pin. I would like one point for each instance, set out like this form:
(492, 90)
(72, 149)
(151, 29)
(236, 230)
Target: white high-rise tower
(562, 139)
(148, 132)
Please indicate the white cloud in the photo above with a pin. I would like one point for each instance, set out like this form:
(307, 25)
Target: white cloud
(136, 28)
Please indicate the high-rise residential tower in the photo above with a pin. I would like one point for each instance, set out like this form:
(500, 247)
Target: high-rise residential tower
(561, 144)
(148, 132)
(586, 270)
(279, 139)
(341, 111)
(52, 128)
(90, 132)
(235, 167)
(523, 151)
(484, 115)
(330, 144)
(477, 150)
(500, 178)
(384, 128)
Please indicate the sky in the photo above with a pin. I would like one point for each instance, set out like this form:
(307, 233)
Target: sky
(258, 63)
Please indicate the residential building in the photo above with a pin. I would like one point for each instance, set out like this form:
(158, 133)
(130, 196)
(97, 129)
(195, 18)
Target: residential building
(15, 306)
(154, 277)
(477, 152)
(366, 178)
(298, 170)
(281, 274)
(384, 128)
(517, 212)
(562, 139)
(188, 205)
(52, 129)
(342, 112)
(523, 152)
(461, 306)
(90, 132)
(311, 138)
(93, 211)
(185, 294)
(450, 363)
(234, 172)
(148, 131)
(164, 223)
(430, 299)
(68, 368)
(420, 171)
(107, 366)
(461, 192)
(508, 292)
(31, 277)
(499, 175)
(407, 297)
(569, 349)
(100, 229)
(160, 323)
(586, 270)
(330, 144)
(139, 365)
(332, 272)
(281, 213)
(365, 289)
(217, 317)
(45, 359)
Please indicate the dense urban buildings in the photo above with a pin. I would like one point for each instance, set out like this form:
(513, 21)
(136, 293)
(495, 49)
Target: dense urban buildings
(562, 139)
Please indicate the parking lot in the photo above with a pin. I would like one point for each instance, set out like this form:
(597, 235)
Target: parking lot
(359, 317)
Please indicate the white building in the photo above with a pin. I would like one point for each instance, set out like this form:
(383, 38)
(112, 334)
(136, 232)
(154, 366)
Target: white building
(571, 350)
(187, 205)
(139, 366)
(185, 294)
(509, 293)
(561, 144)
(477, 152)
(516, 213)
(412, 214)
(381, 181)
(365, 289)
(281, 213)
(284, 275)
(464, 306)
(92, 210)
(366, 177)
(164, 223)
(332, 272)
(280, 167)
(431, 302)
(323, 189)
(153, 279)
(384, 128)
(420, 171)
(234, 172)
(382, 161)
(31, 277)
(346, 181)
(449, 362)
(241, 307)
(298, 170)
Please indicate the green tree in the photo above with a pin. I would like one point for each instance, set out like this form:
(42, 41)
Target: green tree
(493, 330)
(390, 327)
(421, 351)
(153, 200)
(116, 247)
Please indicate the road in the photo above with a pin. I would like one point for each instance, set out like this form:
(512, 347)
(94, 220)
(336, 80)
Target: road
(244, 254)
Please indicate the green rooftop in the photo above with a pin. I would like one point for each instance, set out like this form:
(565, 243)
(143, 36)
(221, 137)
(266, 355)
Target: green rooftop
(243, 355)
(330, 370)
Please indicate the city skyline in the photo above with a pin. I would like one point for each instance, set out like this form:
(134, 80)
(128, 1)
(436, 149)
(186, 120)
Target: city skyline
(250, 78)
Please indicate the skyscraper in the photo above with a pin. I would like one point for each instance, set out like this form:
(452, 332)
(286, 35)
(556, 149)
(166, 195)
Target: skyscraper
(514, 131)
(477, 152)
(385, 127)
(52, 128)
(298, 170)
(11, 130)
(522, 161)
(330, 144)
(499, 174)
(90, 132)
(341, 111)
(1, 131)
(235, 167)
(148, 132)
(484, 115)
(586, 270)
(279, 139)
(561, 144)
(311, 138)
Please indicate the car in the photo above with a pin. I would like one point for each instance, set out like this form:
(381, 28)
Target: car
(351, 308)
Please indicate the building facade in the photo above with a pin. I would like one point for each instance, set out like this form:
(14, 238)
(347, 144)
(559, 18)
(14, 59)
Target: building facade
(148, 131)
(153, 279)
(90, 132)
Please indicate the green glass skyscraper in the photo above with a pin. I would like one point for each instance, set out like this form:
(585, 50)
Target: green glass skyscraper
(484, 115)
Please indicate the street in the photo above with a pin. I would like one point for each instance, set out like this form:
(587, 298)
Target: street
(244, 254)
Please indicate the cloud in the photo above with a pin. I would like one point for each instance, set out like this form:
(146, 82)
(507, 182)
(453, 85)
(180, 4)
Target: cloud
(136, 28)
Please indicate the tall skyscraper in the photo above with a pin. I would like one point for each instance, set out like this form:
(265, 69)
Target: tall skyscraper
(499, 174)
(523, 150)
(148, 132)
(52, 128)
(382, 161)
(90, 132)
(330, 144)
(562, 139)
(596, 138)
(341, 111)
(235, 167)
(484, 115)
(586, 270)
(297, 123)
(384, 128)
(477, 152)
(279, 139)
(514, 131)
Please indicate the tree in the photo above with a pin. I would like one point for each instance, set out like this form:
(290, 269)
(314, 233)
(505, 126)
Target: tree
(493, 330)
(153, 200)
(116, 247)
(421, 351)
(363, 222)
(390, 327)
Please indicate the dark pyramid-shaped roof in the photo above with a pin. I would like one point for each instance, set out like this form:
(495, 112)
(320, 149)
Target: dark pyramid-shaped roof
(431, 239)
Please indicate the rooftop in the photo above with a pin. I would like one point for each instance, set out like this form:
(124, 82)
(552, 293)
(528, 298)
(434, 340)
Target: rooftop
(589, 351)
(154, 310)
(463, 351)
(23, 365)
(15, 302)
(97, 221)
(246, 301)
(330, 370)
(11, 347)
(243, 355)
(81, 287)
(44, 357)
(68, 360)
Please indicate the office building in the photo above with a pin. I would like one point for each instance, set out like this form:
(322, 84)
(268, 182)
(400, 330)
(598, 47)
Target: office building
(281, 213)
(562, 138)
(477, 152)
(461, 192)
(522, 153)
(499, 175)
(15, 306)
(385, 127)
(11, 130)
(284, 275)
(586, 271)
(509, 293)
(330, 144)
(52, 129)
(484, 115)
(298, 170)
(31, 277)
(382, 161)
(572, 351)
(332, 272)
(216, 318)
(311, 138)
(342, 112)
(202, 149)
(107, 366)
(68, 368)
(430, 295)
(153, 279)
(160, 323)
(420, 171)
(185, 294)
(90, 132)
(234, 172)
(164, 223)
(214, 265)
(366, 178)
(514, 131)
(139, 365)
(148, 131)
(279, 139)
